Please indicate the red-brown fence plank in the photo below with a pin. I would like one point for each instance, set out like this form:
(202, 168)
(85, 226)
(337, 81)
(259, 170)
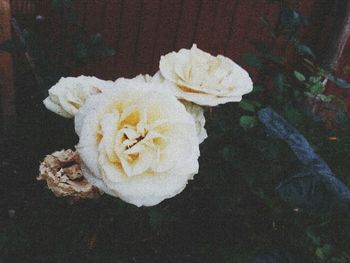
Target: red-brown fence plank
(186, 28)
(7, 90)
(166, 30)
(204, 26)
(147, 37)
(129, 29)
(222, 25)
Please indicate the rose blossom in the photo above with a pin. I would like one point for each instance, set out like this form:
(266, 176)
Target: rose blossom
(204, 79)
(62, 173)
(137, 142)
(69, 94)
(196, 111)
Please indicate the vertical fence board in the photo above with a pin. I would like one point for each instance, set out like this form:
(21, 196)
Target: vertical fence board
(203, 35)
(147, 37)
(166, 33)
(186, 30)
(7, 91)
(129, 29)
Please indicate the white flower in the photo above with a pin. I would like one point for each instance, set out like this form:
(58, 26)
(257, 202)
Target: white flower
(204, 79)
(69, 94)
(137, 142)
(197, 113)
(195, 110)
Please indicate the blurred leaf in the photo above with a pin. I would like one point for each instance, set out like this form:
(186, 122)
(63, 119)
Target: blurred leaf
(291, 19)
(96, 39)
(279, 80)
(247, 105)
(299, 76)
(317, 88)
(324, 252)
(247, 122)
(252, 60)
(304, 50)
(310, 232)
(325, 98)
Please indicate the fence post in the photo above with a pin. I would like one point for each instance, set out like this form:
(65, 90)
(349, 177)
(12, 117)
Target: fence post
(7, 90)
(339, 35)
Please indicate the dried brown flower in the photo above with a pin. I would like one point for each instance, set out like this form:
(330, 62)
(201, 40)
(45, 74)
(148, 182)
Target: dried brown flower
(63, 175)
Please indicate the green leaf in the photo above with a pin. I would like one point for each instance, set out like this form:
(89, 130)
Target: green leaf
(304, 50)
(324, 252)
(96, 39)
(252, 60)
(247, 105)
(279, 80)
(325, 98)
(248, 122)
(299, 76)
(317, 88)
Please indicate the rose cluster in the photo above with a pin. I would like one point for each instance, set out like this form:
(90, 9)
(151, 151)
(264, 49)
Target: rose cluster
(139, 138)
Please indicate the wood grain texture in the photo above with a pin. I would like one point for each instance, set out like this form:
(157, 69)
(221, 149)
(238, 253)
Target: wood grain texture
(7, 90)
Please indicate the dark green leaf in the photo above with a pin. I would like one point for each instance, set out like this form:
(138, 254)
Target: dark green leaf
(291, 18)
(317, 88)
(325, 98)
(96, 39)
(252, 60)
(304, 50)
(299, 75)
(279, 80)
(247, 105)
(247, 122)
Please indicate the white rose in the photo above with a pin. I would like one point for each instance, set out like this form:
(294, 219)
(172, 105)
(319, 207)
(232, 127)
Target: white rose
(204, 79)
(69, 94)
(197, 113)
(137, 142)
(195, 110)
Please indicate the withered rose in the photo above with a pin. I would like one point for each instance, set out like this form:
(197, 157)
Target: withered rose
(61, 170)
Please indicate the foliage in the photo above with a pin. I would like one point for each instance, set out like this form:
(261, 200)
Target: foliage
(55, 52)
